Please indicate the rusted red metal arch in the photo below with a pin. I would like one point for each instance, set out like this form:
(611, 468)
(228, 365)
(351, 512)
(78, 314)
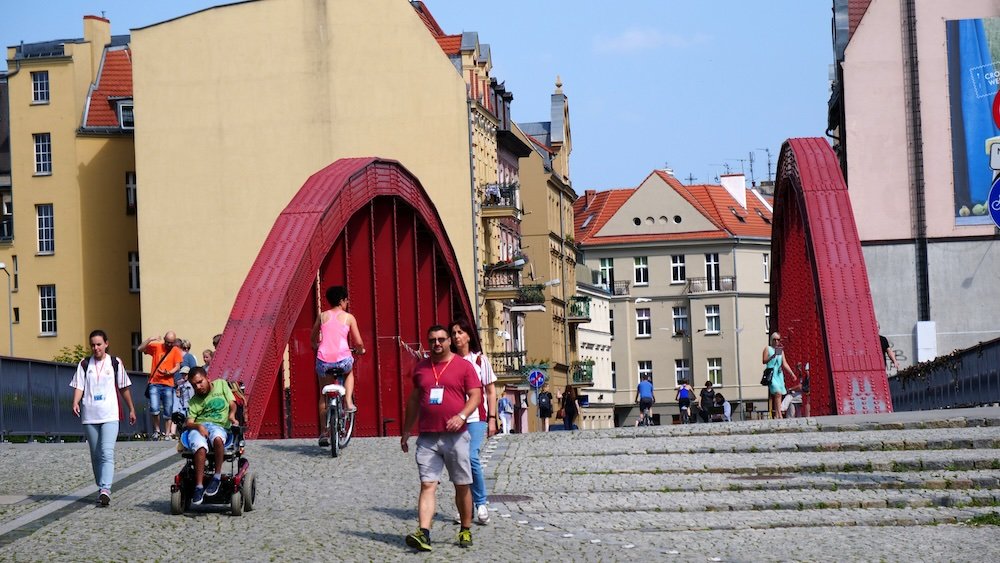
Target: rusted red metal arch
(366, 223)
(820, 298)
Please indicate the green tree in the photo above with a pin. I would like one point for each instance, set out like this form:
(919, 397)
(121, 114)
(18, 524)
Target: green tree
(71, 354)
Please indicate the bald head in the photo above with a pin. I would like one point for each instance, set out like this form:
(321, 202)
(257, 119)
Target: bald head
(170, 338)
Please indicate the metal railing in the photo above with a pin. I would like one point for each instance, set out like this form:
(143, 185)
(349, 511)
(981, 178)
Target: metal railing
(508, 364)
(37, 401)
(502, 278)
(966, 378)
(579, 308)
(530, 295)
(498, 195)
(709, 285)
(620, 288)
(582, 372)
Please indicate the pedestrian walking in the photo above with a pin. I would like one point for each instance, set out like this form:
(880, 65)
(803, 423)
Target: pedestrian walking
(570, 407)
(506, 410)
(545, 406)
(166, 361)
(483, 421)
(707, 400)
(95, 400)
(445, 392)
(774, 358)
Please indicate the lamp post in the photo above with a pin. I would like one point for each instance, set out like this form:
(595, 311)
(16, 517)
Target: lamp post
(10, 309)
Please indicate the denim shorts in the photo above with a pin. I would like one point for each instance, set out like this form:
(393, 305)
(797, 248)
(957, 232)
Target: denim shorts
(345, 365)
(161, 400)
(197, 441)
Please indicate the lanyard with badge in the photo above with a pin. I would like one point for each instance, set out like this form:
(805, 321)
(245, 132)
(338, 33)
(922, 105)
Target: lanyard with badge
(437, 392)
(98, 369)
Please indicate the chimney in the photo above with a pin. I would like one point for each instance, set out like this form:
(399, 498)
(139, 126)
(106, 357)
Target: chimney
(588, 196)
(97, 33)
(736, 185)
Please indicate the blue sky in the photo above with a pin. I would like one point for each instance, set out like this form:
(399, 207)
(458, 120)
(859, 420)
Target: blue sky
(694, 85)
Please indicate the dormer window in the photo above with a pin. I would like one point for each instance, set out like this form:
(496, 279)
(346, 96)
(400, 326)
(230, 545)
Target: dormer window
(126, 116)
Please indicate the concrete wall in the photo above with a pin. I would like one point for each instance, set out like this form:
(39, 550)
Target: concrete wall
(240, 104)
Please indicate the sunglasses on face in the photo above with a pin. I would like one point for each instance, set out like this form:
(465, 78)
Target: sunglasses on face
(437, 340)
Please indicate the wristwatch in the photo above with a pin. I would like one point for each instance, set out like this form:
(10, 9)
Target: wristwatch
(462, 416)
(491, 416)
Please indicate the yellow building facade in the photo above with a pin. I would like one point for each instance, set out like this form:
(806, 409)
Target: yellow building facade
(72, 249)
(241, 103)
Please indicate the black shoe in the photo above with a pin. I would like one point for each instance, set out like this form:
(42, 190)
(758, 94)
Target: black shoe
(324, 441)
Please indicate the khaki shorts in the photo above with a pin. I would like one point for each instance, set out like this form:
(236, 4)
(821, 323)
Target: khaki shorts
(437, 450)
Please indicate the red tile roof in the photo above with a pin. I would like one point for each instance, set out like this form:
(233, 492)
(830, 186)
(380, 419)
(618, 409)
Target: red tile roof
(450, 44)
(540, 144)
(114, 81)
(855, 11)
(427, 18)
(595, 209)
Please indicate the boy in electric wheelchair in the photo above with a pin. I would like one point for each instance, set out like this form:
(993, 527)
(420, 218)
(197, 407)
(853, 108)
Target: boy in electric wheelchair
(212, 424)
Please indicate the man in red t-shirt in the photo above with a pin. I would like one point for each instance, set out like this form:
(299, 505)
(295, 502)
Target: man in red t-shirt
(446, 390)
(167, 357)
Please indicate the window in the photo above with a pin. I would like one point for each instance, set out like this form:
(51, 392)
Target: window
(13, 261)
(677, 274)
(136, 353)
(130, 192)
(17, 315)
(46, 229)
(47, 307)
(713, 324)
(715, 371)
(43, 154)
(126, 115)
(607, 272)
(767, 267)
(680, 321)
(133, 272)
(611, 323)
(712, 271)
(767, 319)
(641, 270)
(643, 324)
(682, 371)
(40, 87)
(645, 369)
(614, 377)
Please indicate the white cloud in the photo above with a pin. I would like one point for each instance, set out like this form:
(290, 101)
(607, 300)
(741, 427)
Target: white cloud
(635, 39)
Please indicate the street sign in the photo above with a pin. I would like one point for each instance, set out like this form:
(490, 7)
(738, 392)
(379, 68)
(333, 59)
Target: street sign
(994, 201)
(536, 378)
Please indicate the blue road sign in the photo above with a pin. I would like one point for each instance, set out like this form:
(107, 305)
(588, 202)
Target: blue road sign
(994, 201)
(536, 378)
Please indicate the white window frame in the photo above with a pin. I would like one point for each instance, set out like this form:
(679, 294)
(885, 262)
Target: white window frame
(136, 353)
(714, 370)
(45, 223)
(607, 269)
(678, 270)
(640, 270)
(712, 313)
(133, 271)
(40, 93)
(682, 370)
(122, 112)
(130, 192)
(645, 368)
(643, 323)
(712, 281)
(43, 153)
(47, 310)
(767, 319)
(682, 325)
(767, 267)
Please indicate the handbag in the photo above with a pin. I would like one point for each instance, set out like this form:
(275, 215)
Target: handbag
(765, 380)
(561, 413)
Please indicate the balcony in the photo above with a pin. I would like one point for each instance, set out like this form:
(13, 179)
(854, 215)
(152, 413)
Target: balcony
(579, 310)
(500, 202)
(711, 285)
(583, 372)
(502, 282)
(620, 288)
(508, 365)
(530, 295)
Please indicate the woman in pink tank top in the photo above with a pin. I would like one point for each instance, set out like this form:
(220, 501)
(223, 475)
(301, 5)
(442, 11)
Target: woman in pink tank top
(332, 334)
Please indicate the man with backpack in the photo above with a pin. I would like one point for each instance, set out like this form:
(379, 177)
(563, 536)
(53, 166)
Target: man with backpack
(545, 406)
(96, 384)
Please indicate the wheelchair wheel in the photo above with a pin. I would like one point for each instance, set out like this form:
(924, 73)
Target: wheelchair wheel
(177, 502)
(249, 491)
(236, 504)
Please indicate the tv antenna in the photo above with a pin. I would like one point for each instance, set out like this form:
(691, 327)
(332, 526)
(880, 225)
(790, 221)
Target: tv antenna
(768, 153)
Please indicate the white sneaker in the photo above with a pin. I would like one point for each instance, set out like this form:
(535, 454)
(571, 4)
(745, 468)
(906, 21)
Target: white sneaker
(458, 518)
(482, 514)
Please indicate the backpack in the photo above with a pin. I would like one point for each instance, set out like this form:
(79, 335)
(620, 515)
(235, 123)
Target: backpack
(505, 405)
(545, 400)
(114, 366)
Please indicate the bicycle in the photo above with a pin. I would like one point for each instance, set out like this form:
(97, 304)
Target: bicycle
(339, 422)
(646, 418)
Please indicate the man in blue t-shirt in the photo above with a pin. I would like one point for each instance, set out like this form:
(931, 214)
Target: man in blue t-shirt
(644, 396)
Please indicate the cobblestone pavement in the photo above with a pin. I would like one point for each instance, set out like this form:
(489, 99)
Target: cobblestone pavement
(901, 487)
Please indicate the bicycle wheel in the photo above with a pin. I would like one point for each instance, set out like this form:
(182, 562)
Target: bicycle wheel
(332, 420)
(346, 428)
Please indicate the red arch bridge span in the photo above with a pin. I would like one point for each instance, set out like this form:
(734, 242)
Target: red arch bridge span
(820, 298)
(367, 224)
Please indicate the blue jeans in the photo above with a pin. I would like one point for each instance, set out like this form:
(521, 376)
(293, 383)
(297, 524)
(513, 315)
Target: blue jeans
(477, 433)
(161, 400)
(101, 440)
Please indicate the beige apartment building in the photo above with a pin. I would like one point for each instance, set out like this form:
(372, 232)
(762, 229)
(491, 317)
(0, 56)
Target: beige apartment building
(68, 237)
(241, 103)
(687, 268)
(547, 235)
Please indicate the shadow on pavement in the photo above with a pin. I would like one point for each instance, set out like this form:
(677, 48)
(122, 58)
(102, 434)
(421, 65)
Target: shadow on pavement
(163, 507)
(395, 540)
(311, 450)
(410, 514)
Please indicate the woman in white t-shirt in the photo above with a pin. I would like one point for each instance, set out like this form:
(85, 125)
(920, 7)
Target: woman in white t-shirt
(96, 385)
(483, 421)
